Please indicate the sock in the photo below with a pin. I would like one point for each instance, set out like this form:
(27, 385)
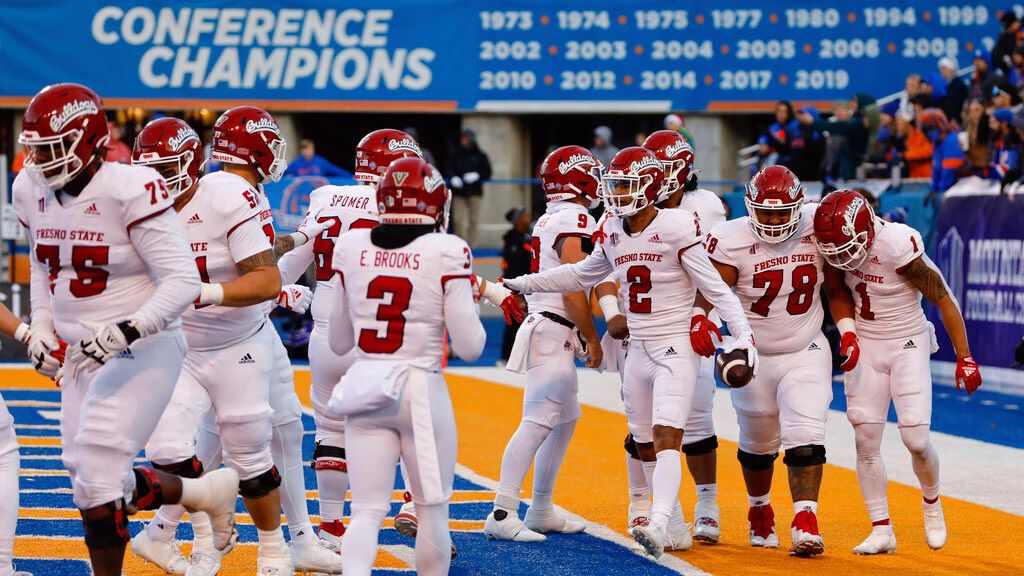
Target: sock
(639, 491)
(676, 520)
(272, 543)
(923, 458)
(547, 463)
(332, 485)
(519, 454)
(884, 522)
(359, 546)
(9, 464)
(759, 500)
(707, 492)
(286, 449)
(802, 505)
(433, 554)
(202, 530)
(668, 474)
(163, 527)
(931, 501)
(871, 474)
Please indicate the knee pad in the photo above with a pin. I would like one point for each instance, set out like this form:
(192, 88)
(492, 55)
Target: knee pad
(701, 447)
(329, 458)
(106, 526)
(261, 485)
(630, 445)
(915, 438)
(803, 456)
(756, 462)
(149, 492)
(856, 415)
(191, 468)
(246, 444)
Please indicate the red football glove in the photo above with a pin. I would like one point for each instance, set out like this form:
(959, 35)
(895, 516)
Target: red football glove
(849, 346)
(512, 309)
(968, 372)
(701, 329)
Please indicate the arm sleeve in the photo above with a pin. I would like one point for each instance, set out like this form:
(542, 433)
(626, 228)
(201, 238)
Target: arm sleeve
(577, 277)
(460, 311)
(293, 264)
(160, 242)
(709, 283)
(39, 276)
(340, 333)
(247, 239)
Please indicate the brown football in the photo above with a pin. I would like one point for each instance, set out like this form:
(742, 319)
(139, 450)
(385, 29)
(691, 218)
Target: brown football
(734, 368)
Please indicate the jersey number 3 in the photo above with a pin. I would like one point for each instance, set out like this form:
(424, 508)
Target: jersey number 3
(392, 312)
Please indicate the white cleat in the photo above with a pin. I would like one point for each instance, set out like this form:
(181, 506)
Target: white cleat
(544, 521)
(203, 563)
(165, 554)
(639, 511)
(222, 485)
(934, 526)
(330, 541)
(706, 527)
(679, 540)
(502, 525)
(882, 540)
(652, 537)
(405, 522)
(274, 566)
(314, 557)
(807, 540)
(762, 527)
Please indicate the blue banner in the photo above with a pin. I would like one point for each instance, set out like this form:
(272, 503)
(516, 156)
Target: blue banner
(979, 247)
(500, 56)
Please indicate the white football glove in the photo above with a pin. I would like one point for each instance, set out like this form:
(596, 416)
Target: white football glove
(311, 227)
(501, 297)
(579, 345)
(295, 297)
(41, 342)
(105, 342)
(471, 177)
(743, 342)
(456, 182)
(517, 284)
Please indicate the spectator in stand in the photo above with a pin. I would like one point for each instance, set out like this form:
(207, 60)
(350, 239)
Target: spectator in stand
(948, 158)
(603, 147)
(911, 86)
(912, 147)
(309, 163)
(976, 127)
(117, 150)
(864, 106)
(808, 149)
(516, 256)
(983, 77)
(1016, 173)
(468, 169)
(956, 91)
(1005, 145)
(845, 130)
(678, 123)
(1003, 95)
(777, 142)
(427, 154)
(1016, 76)
(1006, 43)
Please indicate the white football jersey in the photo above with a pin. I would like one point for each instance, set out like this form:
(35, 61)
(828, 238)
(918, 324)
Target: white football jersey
(656, 290)
(888, 307)
(95, 272)
(222, 222)
(562, 220)
(707, 205)
(395, 297)
(778, 284)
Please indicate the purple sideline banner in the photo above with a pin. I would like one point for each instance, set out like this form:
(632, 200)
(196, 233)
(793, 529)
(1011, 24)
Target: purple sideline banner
(979, 247)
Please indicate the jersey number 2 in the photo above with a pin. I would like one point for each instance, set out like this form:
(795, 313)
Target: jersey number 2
(391, 312)
(639, 278)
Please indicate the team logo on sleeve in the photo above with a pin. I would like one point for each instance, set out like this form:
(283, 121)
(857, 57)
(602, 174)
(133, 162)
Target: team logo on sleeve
(850, 214)
(70, 111)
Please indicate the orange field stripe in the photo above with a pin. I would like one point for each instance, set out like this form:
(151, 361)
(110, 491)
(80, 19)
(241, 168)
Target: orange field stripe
(39, 440)
(283, 105)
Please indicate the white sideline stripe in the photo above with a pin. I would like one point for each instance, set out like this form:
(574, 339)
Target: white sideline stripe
(594, 529)
(972, 470)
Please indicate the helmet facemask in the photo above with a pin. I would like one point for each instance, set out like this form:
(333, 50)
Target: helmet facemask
(51, 161)
(848, 256)
(774, 233)
(174, 169)
(279, 148)
(624, 194)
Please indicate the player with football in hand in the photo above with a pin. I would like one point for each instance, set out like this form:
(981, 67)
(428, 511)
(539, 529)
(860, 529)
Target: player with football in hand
(397, 287)
(769, 258)
(111, 274)
(658, 260)
(545, 349)
(888, 344)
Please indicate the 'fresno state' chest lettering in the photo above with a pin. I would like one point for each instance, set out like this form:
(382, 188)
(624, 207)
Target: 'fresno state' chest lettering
(783, 260)
(637, 257)
(873, 278)
(58, 234)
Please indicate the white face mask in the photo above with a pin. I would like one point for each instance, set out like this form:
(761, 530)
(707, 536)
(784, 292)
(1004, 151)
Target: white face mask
(624, 194)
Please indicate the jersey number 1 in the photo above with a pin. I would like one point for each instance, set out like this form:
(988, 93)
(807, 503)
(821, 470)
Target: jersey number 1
(392, 312)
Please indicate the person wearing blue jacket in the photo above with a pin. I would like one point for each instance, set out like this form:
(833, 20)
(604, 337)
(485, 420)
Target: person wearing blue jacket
(309, 163)
(949, 158)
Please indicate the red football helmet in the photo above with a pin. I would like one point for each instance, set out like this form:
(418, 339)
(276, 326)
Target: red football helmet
(844, 228)
(774, 191)
(676, 154)
(63, 129)
(378, 149)
(172, 147)
(249, 136)
(411, 191)
(571, 172)
(632, 181)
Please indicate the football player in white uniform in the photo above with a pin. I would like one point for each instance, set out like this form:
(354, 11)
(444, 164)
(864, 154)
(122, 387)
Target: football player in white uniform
(111, 273)
(770, 259)
(398, 286)
(888, 344)
(340, 209)
(545, 349)
(659, 262)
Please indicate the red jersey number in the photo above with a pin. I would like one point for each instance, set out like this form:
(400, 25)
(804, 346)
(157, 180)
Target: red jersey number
(323, 247)
(804, 280)
(639, 278)
(90, 278)
(394, 293)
